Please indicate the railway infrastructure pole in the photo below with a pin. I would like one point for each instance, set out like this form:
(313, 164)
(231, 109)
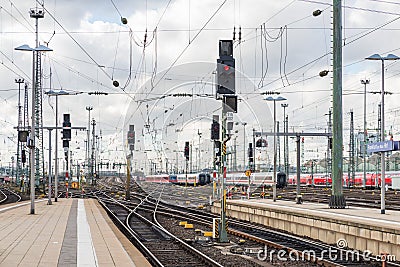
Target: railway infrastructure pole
(223, 236)
(49, 182)
(364, 181)
(298, 191)
(337, 199)
(128, 176)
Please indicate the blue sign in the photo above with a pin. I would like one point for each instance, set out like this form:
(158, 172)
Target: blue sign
(380, 146)
(396, 145)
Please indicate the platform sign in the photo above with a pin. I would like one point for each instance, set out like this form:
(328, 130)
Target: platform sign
(380, 146)
(396, 145)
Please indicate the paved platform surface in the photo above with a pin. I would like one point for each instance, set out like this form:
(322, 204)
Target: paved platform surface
(70, 232)
(353, 214)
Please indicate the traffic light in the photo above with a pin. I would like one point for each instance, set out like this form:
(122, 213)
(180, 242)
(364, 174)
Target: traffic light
(226, 76)
(23, 156)
(187, 153)
(66, 128)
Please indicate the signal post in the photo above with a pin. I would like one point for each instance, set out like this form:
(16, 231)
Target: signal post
(226, 87)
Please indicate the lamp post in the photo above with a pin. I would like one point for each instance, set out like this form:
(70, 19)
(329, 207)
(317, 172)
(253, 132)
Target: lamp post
(270, 98)
(382, 59)
(31, 143)
(365, 82)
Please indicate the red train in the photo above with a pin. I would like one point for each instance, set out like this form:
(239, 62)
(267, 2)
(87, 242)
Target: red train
(372, 179)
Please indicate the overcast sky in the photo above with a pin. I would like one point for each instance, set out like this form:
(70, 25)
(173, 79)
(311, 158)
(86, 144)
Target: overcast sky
(282, 48)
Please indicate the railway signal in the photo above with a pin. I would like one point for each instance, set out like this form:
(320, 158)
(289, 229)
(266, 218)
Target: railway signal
(215, 131)
(226, 68)
(131, 137)
(66, 128)
(23, 156)
(187, 152)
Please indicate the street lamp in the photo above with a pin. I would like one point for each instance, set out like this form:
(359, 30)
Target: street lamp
(382, 59)
(56, 94)
(270, 98)
(31, 143)
(365, 82)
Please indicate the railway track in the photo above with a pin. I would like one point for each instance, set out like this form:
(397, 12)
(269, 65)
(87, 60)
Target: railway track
(260, 239)
(8, 196)
(160, 246)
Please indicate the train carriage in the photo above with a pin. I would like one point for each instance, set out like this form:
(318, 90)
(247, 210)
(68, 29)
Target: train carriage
(190, 179)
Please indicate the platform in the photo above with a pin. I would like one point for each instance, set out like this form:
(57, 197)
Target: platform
(361, 228)
(70, 232)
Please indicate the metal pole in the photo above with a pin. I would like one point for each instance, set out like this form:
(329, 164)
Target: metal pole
(88, 108)
(223, 238)
(49, 182)
(278, 146)
(383, 140)
(298, 193)
(32, 137)
(274, 178)
(92, 162)
(19, 81)
(337, 199)
(365, 82)
(56, 156)
(244, 145)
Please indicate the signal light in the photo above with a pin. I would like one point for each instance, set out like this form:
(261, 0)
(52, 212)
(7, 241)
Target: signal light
(186, 152)
(23, 156)
(215, 130)
(65, 143)
(66, 128)
(226, 76)
(217, 148)
(250, 152)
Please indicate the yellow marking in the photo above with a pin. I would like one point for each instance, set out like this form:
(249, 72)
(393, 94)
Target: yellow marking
(183, 223)
(208, 234)
(188, 226)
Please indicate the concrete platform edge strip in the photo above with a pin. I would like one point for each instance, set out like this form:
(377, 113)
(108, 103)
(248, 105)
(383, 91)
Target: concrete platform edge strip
(86, 254)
